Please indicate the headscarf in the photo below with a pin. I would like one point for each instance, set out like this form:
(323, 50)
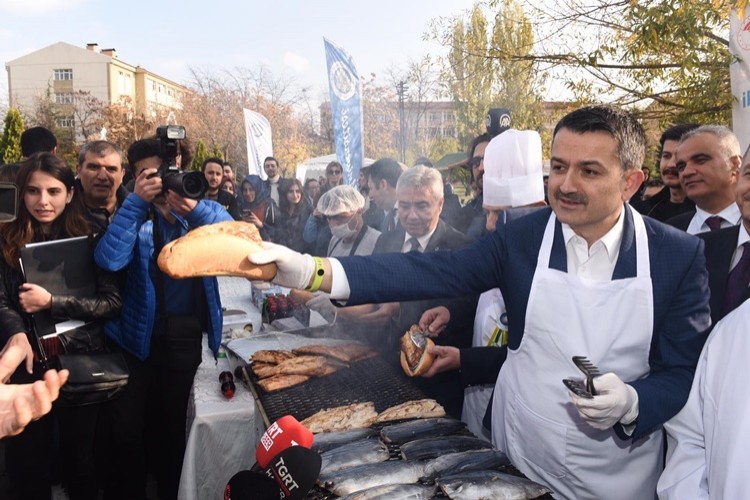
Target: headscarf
(262, 193)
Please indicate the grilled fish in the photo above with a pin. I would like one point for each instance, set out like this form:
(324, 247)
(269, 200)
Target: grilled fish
(366, 451)
(421, 408)
(271, 356)
(418, 429)
(394, 492)
(279, 382)
(490, 484)
(346, 353)
(361, 477)
(422, 449)
(342, 418)
(325, 441)
(454, 463)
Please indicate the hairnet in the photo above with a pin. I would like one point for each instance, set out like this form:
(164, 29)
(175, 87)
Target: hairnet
(339, 200)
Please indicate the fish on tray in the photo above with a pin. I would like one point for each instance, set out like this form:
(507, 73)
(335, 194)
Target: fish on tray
(324, 441)
(490, 484)
(394, 491)
(342, 418)
(421, 428)
(423, 449)
(366, 451)
(454, 463)
(361, 477)
(421, 408)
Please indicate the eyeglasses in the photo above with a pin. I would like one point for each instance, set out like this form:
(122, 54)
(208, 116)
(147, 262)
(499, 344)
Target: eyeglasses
(475, 162)
(334, 172)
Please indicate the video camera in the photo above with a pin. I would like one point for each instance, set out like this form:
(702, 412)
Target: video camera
(186, 184)
(8, 201)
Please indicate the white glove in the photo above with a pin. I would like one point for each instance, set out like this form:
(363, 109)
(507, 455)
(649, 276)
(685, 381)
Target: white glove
(615, 402)
(295, 269)
(321, 302)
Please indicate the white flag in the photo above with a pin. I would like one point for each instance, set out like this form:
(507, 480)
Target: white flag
(739, 73)
(259, 141)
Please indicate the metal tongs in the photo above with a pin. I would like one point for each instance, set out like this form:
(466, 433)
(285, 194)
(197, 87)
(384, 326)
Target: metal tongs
(590, 370)
(417, 337)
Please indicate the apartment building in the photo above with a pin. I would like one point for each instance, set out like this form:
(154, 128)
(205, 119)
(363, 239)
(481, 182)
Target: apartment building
(61, 69)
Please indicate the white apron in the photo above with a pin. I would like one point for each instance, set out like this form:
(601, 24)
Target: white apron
(533, 419)
(490, 322)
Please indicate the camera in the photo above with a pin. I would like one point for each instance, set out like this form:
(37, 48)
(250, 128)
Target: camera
(8, 201)
(498, 121)
(186, 184)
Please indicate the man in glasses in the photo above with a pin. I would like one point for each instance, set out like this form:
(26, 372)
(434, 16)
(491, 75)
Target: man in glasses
(471, 218)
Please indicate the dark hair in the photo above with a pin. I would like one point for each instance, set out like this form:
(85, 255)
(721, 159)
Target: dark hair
(213, 159)
(98, 148)
(621, 125)
(37, 140)
(675, 132)
(9, 172)
(476, 142)
(284, 187)
(25, 229)
(386, 169)
(227, 164)
(423, 160)
(140, 150)
(271, 158)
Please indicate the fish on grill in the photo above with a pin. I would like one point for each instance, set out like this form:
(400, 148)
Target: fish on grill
(346, 353)
(271, 356)
(361, 477)
(454, 463)
(312, 366)
(490, 484)
(394, 491)
(263, 370)
(342, 418)
(366, 451)
(324, 441)
(423, 449)
(421, 408)
(421, 428)
(279, 382)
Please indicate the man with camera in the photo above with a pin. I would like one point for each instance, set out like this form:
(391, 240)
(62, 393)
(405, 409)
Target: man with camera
(160, 328)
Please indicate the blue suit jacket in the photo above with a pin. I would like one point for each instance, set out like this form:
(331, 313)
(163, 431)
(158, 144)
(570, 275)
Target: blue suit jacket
(507, 259)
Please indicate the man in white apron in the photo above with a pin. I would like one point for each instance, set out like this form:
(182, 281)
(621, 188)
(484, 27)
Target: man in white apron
(590, 277)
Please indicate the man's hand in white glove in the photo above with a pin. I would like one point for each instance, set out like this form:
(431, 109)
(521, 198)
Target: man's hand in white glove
(295, 270)
(615, 402)
(321, 302)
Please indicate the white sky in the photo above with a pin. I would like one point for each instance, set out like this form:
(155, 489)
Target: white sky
(168, 36)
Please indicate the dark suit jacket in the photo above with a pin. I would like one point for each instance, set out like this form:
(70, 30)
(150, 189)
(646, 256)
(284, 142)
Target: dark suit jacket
(444, 238)
(681, 221)
(720, 247)
(507, 258)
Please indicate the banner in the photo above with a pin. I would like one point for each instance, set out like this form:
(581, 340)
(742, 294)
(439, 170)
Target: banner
(346, 110)
(739, 74)
(259, 142)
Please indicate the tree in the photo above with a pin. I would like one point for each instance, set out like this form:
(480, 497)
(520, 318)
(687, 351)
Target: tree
(10, 143)
(87, 112)
(200, 155)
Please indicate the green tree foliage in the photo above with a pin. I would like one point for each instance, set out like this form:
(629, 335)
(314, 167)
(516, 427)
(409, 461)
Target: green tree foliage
(200, 155)
(10, 143)
(217, 152)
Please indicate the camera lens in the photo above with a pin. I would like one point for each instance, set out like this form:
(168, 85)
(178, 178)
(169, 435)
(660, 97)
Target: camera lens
(193, 184)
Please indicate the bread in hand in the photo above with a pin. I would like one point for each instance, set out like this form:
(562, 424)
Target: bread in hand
(415, 361)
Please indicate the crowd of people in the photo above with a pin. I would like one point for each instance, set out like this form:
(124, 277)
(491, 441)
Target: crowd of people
(530, 270)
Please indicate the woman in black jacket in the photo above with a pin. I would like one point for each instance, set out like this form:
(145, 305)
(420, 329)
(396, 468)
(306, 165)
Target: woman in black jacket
(49, 210)
(294, 210)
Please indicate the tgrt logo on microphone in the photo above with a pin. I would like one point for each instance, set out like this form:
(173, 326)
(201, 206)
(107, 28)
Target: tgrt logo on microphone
(271, 433)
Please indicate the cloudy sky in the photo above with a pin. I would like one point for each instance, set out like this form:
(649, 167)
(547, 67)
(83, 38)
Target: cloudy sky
(168, 36)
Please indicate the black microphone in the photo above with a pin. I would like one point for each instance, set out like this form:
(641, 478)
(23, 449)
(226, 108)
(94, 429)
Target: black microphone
(295, 471)
(248, 485)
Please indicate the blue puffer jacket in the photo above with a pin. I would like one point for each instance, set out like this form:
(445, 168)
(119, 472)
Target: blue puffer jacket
(128, 242)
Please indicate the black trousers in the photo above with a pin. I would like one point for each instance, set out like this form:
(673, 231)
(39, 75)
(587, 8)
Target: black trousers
(148, 430)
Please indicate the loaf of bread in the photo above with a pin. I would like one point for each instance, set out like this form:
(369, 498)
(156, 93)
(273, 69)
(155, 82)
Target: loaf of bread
(216, 250)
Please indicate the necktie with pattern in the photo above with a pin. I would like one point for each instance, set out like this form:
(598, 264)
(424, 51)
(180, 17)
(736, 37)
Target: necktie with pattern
(413, 244)
(714, 222)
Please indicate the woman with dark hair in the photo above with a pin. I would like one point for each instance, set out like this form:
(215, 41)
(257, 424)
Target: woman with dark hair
(295, 209)
(227, 185)
(49, 210)
(256, 206)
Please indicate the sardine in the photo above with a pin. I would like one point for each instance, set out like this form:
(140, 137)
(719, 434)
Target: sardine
(366, 451)
(490, 484)
(454, 463)
(361, 477)
(418, 429)
(422, 449)
(325, 441)
(394, 492)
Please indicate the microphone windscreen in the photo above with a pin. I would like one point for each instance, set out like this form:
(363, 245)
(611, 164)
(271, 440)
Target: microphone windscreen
(282, 434)
(248, 485)
(295, 470)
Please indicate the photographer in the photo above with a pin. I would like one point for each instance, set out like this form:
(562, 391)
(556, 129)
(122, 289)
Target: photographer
(160, 329)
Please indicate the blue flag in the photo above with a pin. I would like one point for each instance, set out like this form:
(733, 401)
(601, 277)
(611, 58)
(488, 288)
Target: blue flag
(346, 109)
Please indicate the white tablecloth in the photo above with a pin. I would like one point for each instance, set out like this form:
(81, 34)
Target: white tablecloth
(222, 434)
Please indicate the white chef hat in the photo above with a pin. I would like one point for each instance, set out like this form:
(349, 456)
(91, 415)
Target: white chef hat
(513, 169)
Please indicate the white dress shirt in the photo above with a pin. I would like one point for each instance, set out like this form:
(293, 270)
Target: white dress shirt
(731, 217)
(423, 241)
(597, 262)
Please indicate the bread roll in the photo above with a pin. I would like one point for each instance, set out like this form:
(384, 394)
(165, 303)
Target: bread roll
(415, 361)
(219, 249)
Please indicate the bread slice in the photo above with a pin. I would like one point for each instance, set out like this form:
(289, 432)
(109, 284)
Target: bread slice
(219, 249)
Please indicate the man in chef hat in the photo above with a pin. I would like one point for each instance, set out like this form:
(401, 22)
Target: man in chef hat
(513, 178)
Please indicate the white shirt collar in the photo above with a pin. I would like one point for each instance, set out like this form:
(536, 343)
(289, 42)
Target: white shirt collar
(730, 214)
(744, 236)
(611, 240)
(423, 241)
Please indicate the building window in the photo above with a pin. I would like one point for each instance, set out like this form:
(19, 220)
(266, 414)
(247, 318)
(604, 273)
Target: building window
(63, 74)
(66, 122)
(170, 92)
(64, 98)
(161, 88)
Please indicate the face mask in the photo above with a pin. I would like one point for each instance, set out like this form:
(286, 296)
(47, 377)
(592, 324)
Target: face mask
(343, 231)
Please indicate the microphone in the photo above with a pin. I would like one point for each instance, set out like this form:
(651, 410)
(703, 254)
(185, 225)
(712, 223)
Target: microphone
(295, 471)
(248, 485)
(286, 432)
